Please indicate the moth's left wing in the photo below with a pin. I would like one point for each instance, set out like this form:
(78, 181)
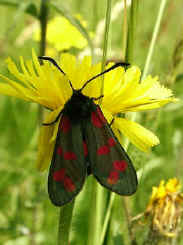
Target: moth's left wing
(109, 162)
(68, 167)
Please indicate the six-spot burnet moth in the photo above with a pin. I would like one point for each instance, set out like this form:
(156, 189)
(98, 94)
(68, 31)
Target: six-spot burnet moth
(86, 144)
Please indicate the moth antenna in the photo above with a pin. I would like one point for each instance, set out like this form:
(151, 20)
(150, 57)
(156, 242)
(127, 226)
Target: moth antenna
(55, 64)
(71, 85)
(122, 64)
(52, 61)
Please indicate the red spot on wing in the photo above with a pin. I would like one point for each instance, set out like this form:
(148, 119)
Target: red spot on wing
(70, 155)
(113, 177)
(59, 175)
(98, 118)
(59, 151)
(111, 142)
(120, 165)
(103, 150)
(68, 184)
(101, 115)
(65, 124)
(85, 148)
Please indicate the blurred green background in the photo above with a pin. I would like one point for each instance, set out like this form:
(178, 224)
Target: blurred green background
(26, 214)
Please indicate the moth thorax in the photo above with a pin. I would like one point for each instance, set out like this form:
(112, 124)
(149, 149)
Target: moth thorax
(78, 107)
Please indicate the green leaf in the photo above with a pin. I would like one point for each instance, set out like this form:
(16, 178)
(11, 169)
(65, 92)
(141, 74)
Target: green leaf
(179, 78)
(30, 7)
(9, 2)
(74, 21)
(32, 10)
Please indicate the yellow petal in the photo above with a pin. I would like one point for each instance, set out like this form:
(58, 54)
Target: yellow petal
(63, 38)
(45, 147)
(37, 64)
(138, 135)
(173, 185)
(125, 90)
(13, 70)
(161, 193)
(47, 139)
(6, 89)
(142, 105)
(55, 131)
(21, 92)
(51, 118)
(133, 95)
(107, 114)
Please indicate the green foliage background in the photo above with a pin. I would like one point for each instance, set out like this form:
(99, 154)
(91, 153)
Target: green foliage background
(26, 214)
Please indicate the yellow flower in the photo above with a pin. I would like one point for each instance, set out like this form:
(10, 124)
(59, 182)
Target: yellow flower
(62, 35)
(123, 92)
(165, 207)
(173, 185)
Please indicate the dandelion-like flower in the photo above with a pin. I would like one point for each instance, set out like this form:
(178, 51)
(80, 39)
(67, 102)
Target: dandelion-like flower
(62, 35)
(165, 207)
(123, 92)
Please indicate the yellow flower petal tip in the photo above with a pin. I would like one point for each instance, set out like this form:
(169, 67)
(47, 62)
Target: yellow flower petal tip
(123, 92)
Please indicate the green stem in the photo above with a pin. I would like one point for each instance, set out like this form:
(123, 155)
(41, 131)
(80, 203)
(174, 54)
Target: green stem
(98, 195)
(132, 31)
(147, 63)
(99, 211)
(105, 45)
(129, 56)
(125, 31)
(43, 26)
(107, 218)
(126, 208)
(154, 37)
(65, 218)
(92, 233)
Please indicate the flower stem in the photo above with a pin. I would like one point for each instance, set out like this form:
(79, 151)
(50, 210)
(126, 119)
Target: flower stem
(105, 45)
(154, 37)
(99, 190)
(65, 218)
(131, 31)
(92, 233)
(125, 31)
(43, 17)
(147, 63)
(129, 56)
(43, 25)
(107, 218)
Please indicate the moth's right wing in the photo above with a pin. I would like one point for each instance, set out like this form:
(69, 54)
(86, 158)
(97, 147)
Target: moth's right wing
(109, 162)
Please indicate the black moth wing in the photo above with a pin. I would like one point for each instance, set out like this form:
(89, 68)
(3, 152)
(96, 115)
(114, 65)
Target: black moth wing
(109, 162)
(68, 170)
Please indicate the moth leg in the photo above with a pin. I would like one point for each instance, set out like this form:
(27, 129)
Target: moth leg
(101, 96)
(110, 124)
(56, 119)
